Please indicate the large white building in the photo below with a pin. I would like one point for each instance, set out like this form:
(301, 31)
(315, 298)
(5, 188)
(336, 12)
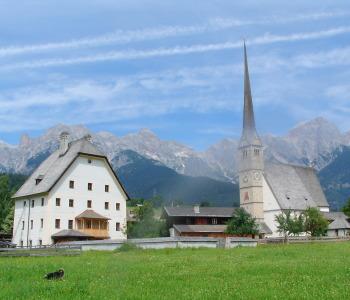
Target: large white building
(74, 194)
(267, 189)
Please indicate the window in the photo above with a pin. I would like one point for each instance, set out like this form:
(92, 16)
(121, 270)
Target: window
(71, 202)
(42, 201)
(22, 225)
(31, 224)
(117, 206)
(24, 203)
(21, 244)
(214, 221)
(57, 223)
(90, 186)
(33, 201)
(117, 226)
(58, 201)
(106, 188)
(70, 224)
(71, 184)
(106, 205)
(30, 243)
(41, 223)
(89, 203)
(89, 161)
(40, 242)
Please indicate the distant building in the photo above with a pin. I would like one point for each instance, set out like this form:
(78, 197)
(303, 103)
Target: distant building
(73, 195)
(200, 221)
(268, 189)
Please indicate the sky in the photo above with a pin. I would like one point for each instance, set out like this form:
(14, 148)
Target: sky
(175, 67)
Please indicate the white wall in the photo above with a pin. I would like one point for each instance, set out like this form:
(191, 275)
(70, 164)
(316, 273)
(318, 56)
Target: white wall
(271, 208)
(81, 172)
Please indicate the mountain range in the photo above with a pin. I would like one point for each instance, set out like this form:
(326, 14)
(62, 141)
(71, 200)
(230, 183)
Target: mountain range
(317, 142)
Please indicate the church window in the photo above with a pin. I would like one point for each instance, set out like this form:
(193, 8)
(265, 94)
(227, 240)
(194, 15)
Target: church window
(33, 203)
(41, 223)
(24, 203)
(42, 201)
(31, 224)
(22, 225)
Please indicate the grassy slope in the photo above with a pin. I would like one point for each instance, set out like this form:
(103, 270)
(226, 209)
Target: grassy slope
(314, 271)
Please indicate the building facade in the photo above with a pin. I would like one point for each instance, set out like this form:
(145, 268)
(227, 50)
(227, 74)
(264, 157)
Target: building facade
(74, 193)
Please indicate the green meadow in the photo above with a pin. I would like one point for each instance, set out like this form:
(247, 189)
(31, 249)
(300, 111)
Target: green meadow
(308, 271)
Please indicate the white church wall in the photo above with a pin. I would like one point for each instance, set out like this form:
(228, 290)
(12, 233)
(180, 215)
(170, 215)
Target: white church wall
(271, 208)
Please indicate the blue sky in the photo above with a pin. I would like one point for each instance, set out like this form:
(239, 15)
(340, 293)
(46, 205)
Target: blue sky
(172, 66)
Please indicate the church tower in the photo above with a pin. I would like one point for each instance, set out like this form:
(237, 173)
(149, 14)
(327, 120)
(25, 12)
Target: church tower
(251, 163)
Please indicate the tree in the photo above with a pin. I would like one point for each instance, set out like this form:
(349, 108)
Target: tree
(346, 208)
(242, 223)
(288, 223)
(5, 198)
(146, 225)
(315, 223)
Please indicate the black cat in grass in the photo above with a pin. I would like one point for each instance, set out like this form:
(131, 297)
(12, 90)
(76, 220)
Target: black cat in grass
(59, 274)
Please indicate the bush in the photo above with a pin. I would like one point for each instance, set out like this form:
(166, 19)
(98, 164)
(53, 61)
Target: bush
(127, 246)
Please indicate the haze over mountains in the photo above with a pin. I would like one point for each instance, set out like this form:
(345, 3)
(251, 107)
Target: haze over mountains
(317, 142)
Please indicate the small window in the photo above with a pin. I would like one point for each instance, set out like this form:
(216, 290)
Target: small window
(42, 201)
(71, 203)
(24, 203)
(23, 225)
(106, 205)
(89, 203)
(70, 224)
(57, 223)
(90, 186)
(214, 221)
(21, 244)
(40, 242)
(33, 202)
(41, 223)
(89, 161)
(30, 243)
(58, 201)
(71, 184)
(37, 181)
(31, 224)
(117, 226)
(117, 206)
(106, 188)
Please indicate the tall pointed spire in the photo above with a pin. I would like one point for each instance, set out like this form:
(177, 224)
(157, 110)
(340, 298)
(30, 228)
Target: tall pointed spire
(249, 135)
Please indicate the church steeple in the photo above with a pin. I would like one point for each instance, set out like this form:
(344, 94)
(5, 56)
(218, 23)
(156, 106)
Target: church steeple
(249, 134)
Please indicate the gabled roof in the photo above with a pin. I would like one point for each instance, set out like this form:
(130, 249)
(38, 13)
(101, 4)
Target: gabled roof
(91, 214)
(188, 211)
(295, 187)
(338, 219)
(70, 233)
(52, 169)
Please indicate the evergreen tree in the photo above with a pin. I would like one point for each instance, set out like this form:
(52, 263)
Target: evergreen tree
(5, 198)
(242, 223)
(346, 208)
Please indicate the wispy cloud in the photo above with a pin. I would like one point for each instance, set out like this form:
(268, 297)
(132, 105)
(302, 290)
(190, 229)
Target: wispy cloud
(129, 36)
(132, 54)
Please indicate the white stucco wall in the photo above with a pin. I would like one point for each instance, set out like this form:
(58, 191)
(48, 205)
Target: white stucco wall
(271, 208)
(81, 172)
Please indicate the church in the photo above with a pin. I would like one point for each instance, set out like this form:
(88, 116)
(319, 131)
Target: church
(266, 189)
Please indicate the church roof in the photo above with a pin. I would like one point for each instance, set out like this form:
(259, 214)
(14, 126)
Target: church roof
(188, 211)
(52, 169)
(249, 134)
(295, 187)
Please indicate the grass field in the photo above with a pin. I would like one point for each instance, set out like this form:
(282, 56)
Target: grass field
(312, 271)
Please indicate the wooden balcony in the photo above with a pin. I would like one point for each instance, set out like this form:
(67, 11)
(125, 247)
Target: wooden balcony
(92, 224)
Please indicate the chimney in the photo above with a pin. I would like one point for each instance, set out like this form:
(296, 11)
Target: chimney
(88, 137)
(196, 209)
(64, 141)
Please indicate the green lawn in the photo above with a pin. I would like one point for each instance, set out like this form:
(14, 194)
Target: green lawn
(313, 271)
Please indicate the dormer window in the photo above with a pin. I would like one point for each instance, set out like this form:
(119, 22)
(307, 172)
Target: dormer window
(39, 179)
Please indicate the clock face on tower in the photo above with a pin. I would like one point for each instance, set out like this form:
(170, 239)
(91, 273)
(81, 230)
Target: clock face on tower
(257, 176)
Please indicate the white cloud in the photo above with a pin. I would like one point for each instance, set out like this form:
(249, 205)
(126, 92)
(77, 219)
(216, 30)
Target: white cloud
(124, 37)
(132, 54)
